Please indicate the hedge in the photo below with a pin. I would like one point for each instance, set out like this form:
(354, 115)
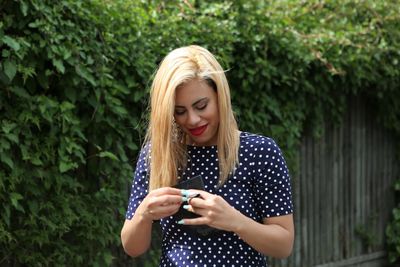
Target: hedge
(74, 80)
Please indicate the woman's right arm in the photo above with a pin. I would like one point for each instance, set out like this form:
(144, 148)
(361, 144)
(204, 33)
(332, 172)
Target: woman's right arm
(159, 203)
(136, 235)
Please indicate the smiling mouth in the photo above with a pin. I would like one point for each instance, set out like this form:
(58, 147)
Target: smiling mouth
(198, 131)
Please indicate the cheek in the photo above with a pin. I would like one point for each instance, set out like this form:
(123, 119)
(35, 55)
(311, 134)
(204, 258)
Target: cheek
(213, 115)
(180, 120)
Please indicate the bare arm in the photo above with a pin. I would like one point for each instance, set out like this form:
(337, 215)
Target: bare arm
(274, 237)
(136, 233)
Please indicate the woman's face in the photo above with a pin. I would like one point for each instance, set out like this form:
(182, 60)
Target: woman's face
(196, 112)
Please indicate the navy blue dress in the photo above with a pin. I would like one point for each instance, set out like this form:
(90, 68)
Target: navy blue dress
(260, 188)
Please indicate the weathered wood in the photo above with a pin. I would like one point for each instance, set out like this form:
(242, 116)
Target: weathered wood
(375, 258)
(344, 182)
(298, 210)
(310, 204)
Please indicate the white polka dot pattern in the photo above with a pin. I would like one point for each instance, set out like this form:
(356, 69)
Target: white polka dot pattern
(259, 188)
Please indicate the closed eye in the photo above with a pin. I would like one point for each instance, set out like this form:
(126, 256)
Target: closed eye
(201, 107)
(202, 104)
(179, 111)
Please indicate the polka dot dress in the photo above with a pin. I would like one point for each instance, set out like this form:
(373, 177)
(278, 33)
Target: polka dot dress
(260, 188)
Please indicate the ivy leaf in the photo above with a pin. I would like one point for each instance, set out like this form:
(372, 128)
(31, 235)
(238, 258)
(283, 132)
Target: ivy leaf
(6, 215)
(11, 42)
(8, 127)
(19, 91)
(59, 65)
(85, 74)
(13, 137)
(15, 197)
(107, 154)
(36, 161)
(10, 69)
(24, 8)
(7, 160)
(33, 206)
(108, 258)
(66, 166)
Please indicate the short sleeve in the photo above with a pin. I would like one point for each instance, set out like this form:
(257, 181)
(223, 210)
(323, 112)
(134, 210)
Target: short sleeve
(272, 185)
(140, 184)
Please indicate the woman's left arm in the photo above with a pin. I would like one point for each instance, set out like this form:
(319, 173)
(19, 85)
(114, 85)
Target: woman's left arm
(274, 237)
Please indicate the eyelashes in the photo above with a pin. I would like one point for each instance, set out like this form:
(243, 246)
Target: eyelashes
(179, 112)
(200, 107)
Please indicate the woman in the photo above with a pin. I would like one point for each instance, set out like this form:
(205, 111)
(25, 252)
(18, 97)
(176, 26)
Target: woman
(192, 131)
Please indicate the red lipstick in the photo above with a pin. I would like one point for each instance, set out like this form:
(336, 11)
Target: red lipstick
(198, 131)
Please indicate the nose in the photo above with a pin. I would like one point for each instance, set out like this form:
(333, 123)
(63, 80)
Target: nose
(193, 118)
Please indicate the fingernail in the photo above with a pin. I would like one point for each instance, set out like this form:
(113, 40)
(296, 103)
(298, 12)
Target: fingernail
(184, 192)
(184, 199)
(186, 207)
(180, 222)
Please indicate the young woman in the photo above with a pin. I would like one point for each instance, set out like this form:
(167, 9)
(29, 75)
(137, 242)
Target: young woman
(246, 199)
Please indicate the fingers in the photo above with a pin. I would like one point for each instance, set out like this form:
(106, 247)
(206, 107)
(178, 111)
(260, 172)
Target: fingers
(165, 191)
(214, 211)
(164, 197)
(199, 211)
(195, 221)
(203, 194)
(165, 211)
(162, 202)
(207, 217)
(168, 199)
(209, 201)
(159, 212)
(191, 209)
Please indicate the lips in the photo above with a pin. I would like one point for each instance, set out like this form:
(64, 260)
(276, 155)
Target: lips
(198, 131)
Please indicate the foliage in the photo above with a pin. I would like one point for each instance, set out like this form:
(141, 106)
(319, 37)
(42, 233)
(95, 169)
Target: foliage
(67, 140)
(74, 77)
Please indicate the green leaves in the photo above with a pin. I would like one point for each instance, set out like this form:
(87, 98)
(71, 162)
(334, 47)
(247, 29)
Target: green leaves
(59, 65)
(49, 164)
(7, 160)
(15, 198)
(11, 42)
(85, 74)
(10, 69)
(66, 166)
(107, 154)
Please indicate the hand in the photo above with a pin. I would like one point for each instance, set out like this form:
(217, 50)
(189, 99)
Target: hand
(160, 203)
(214, 212)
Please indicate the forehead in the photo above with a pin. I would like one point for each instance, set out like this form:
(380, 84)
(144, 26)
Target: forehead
(192, 91)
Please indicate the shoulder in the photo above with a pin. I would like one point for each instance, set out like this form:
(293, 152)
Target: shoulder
(145, 151)
(143, 157)
(259, 146)
(251, 140)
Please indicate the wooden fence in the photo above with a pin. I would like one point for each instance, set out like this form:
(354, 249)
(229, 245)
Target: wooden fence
(343, 194)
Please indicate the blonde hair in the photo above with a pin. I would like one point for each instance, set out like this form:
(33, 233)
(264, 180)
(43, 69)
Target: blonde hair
(167, 154)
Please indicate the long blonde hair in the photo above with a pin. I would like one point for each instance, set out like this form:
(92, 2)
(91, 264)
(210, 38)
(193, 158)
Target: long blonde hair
(167, 154)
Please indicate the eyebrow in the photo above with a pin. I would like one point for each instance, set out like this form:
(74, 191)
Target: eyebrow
(195, 103)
